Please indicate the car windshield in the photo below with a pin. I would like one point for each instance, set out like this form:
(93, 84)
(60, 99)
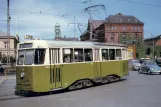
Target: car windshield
(136, 61)
(151, 62)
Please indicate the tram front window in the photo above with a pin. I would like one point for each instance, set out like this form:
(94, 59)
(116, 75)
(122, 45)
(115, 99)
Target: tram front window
(29, 57)
(21, 57)
(39, 56)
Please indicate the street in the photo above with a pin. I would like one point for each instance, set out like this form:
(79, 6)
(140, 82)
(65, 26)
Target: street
(139, 90)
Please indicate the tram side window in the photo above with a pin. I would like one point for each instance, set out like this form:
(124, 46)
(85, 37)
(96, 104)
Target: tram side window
(67, 55)
(39, 56)
(78, 55)
(104, 54)
(88, 54)
(112, 54)
(118, 54)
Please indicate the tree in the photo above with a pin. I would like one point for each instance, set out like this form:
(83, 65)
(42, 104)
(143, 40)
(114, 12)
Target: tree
(148, 51)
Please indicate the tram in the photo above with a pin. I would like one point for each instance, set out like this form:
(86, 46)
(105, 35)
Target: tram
(46, 66)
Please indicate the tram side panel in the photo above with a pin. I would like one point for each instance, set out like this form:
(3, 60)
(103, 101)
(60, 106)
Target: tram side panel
(41, 79)
(24, 78)
(110, 68)
(77, 71)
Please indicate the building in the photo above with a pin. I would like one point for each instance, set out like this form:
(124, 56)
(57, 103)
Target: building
(117, 28)
(14, 40)
(154, 43)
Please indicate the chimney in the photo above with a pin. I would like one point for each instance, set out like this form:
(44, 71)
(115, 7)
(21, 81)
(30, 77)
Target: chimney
(119, 14)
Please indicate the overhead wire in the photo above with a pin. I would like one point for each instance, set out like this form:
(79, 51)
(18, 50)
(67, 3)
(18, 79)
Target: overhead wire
(130, 1)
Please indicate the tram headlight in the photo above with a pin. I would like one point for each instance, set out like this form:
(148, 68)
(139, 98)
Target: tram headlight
(22, 74)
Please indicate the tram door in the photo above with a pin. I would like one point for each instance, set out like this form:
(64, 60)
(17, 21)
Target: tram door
(55, 68)
(97, 64)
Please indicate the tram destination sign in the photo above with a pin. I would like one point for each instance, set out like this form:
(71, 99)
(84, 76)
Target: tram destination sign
(26, 45)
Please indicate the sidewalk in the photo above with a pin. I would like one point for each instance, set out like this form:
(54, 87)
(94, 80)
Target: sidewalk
(3, 78)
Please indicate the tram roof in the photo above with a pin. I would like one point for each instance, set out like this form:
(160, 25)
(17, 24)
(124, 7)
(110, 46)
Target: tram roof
(53, 43)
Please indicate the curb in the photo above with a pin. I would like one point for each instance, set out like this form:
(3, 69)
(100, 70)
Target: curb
(1, 81)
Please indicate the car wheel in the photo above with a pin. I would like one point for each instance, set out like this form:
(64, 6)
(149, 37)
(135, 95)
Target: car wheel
(133, 68)
(149, 72)
(139, 70)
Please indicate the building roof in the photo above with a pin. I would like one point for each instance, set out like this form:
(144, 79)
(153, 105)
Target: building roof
(151, 38)
(120, 18)
(96, 23)
(3, 35)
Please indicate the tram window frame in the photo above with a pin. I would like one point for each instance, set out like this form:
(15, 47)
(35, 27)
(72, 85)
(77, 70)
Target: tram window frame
(67, 55)
(19, 56)
(29, 59)
(106, 54)
(42, 58)
(123, 53)
(89, 56)
(79, 55)
(114, 54)
(118, 57)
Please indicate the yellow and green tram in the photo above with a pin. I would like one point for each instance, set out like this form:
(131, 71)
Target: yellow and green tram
(45, 66)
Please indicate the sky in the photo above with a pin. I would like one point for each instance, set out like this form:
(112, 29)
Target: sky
(38, 17)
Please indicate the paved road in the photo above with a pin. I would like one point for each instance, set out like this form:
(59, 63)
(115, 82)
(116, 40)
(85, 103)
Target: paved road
(139, 90)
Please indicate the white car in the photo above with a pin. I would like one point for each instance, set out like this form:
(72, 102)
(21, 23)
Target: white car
(134, 64)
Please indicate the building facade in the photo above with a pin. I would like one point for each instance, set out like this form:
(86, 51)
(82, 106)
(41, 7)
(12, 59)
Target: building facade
(154, 43)
(117, 28)
(14, 40)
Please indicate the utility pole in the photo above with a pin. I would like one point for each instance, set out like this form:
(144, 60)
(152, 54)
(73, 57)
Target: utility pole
(8, 32)
(153, 47)
(74, 27)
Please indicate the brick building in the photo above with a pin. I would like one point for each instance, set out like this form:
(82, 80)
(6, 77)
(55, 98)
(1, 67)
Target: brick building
(154, 43)
(117, 28)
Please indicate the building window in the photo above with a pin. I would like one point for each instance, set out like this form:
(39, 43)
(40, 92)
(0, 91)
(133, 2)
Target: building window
(5, 45)
(135, 28)
(112, 36)
(124, 37)
(113, 28)
(124, 28)
(109, 27)
(138, 28)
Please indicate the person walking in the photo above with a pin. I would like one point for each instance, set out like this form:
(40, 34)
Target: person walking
(1, 69)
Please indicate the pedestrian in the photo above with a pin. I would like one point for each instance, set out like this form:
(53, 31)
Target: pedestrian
(1, 69)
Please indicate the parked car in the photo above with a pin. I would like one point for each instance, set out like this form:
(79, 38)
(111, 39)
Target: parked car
(158, 61)
(150, 67)
(134, 64)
